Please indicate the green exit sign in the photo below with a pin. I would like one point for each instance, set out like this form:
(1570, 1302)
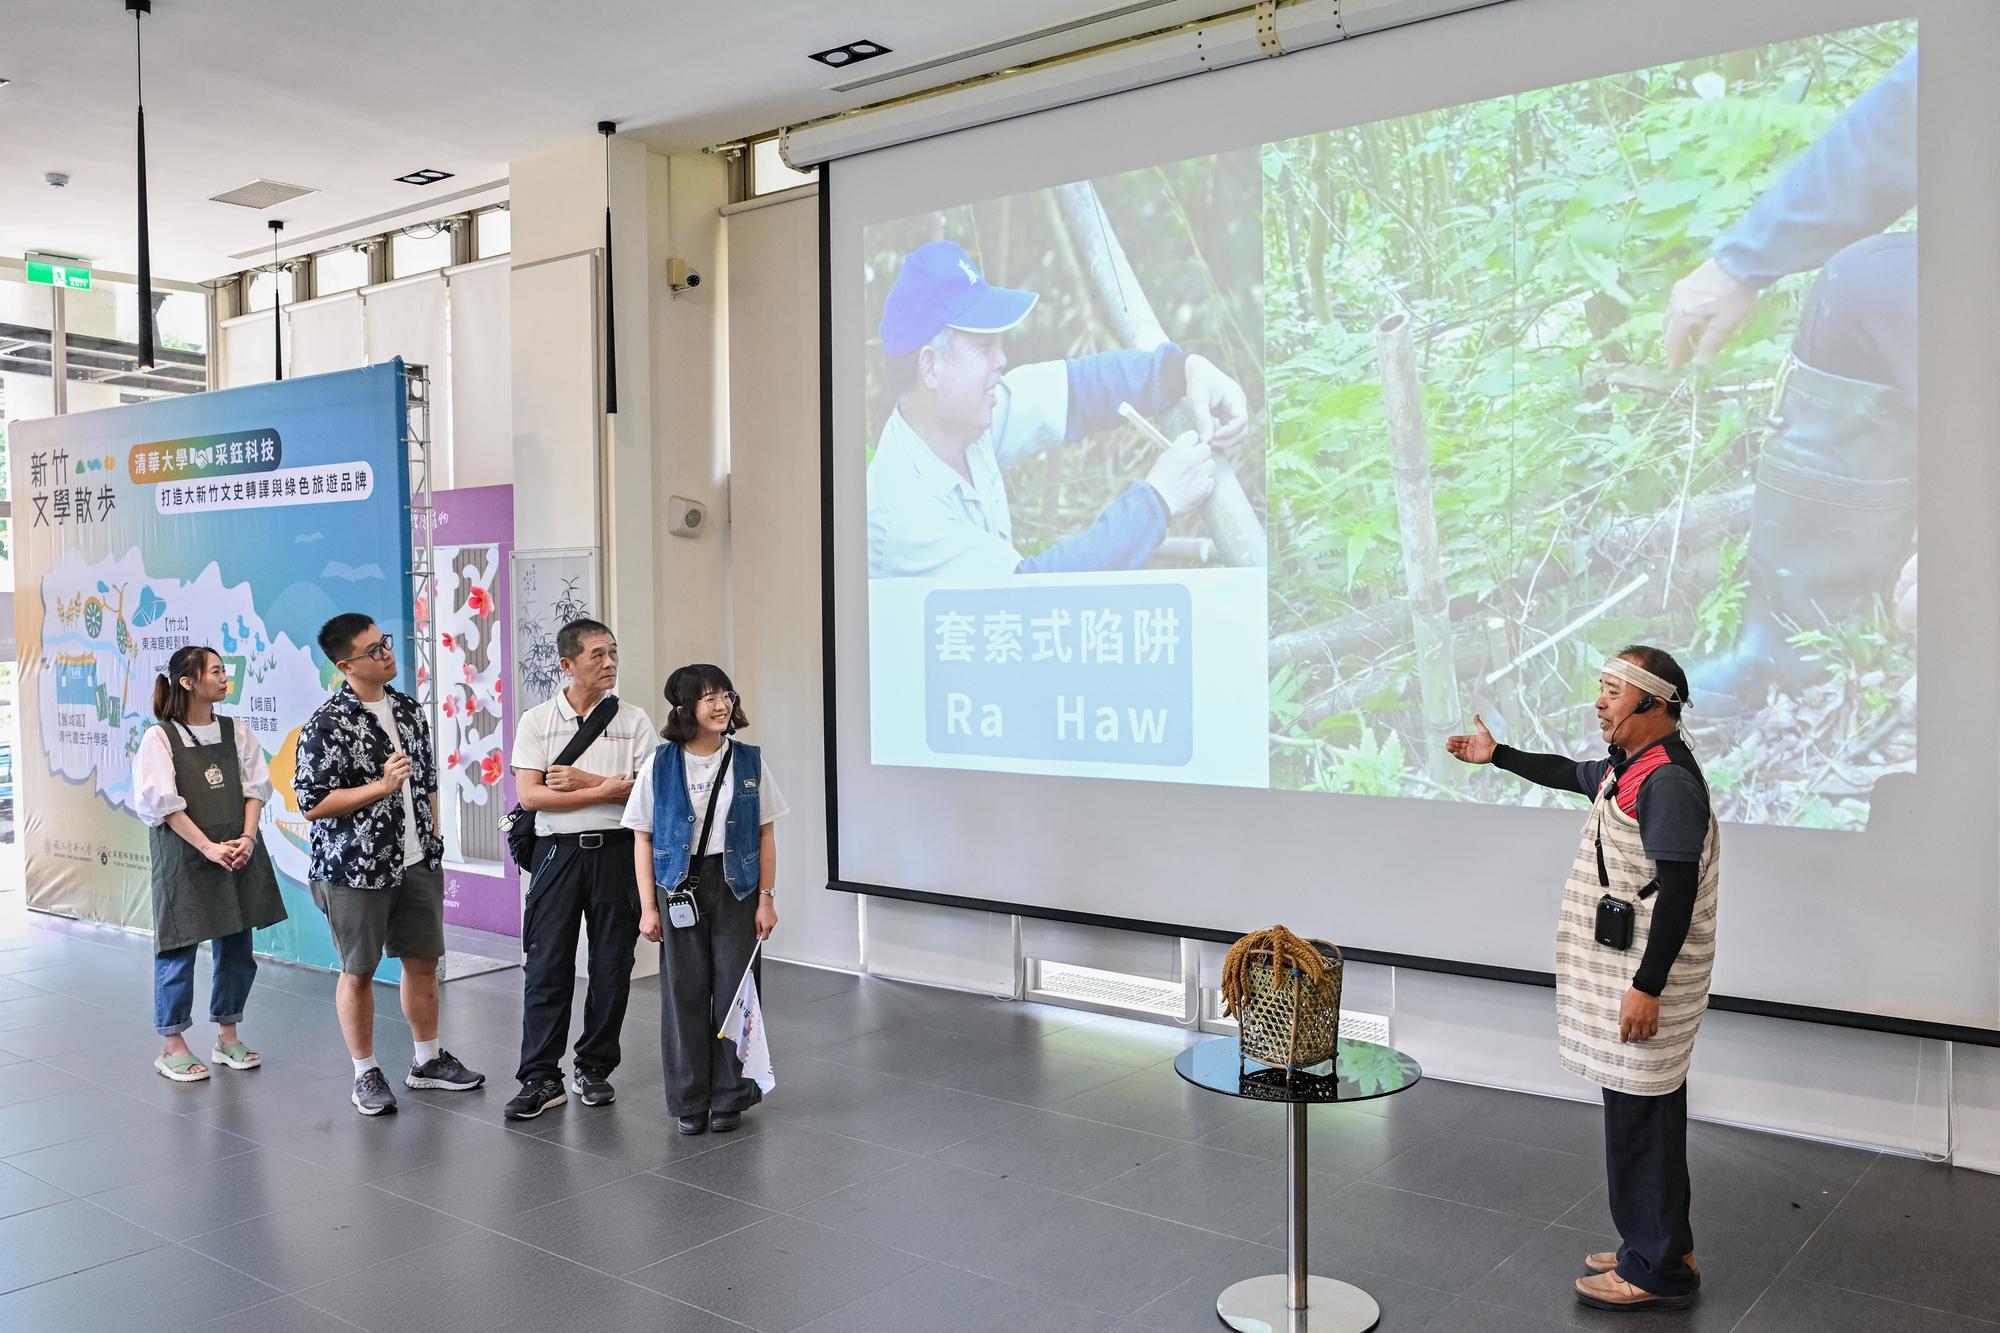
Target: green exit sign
(59, 273)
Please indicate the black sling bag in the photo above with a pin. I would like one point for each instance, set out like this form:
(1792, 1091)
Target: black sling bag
(518, 824)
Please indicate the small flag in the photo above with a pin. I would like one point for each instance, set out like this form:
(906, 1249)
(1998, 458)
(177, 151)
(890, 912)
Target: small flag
(744, 1025)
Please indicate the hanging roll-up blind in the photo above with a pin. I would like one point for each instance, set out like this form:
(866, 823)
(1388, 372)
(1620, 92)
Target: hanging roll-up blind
(325, 335)
(407, 319)
(246, 350)
(482, 374)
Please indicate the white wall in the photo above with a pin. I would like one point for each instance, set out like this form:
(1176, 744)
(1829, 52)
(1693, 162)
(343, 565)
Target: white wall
(581, 477)
(689, 371)
(774, 575)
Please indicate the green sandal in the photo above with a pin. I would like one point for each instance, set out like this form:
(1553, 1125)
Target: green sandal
(181, 1068)
(236, 1055)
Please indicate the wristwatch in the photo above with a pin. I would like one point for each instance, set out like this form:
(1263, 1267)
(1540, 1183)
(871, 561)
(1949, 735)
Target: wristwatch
(768, 893)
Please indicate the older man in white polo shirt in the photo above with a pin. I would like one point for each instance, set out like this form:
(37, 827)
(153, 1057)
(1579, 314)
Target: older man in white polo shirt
(937, 504)
(581, 873)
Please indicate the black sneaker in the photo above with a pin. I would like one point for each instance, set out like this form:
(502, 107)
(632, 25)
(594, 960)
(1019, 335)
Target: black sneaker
(536, 1096)
(592, 1090)
(445, 1071)
(372, 1095)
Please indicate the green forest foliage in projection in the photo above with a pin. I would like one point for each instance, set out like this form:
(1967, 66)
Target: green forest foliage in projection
(1191, 232)
(1530, 242)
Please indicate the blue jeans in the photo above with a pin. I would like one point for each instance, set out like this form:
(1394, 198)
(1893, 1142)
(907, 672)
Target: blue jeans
(173, 983)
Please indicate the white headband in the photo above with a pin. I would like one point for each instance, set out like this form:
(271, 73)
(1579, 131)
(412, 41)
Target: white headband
(1627, 670)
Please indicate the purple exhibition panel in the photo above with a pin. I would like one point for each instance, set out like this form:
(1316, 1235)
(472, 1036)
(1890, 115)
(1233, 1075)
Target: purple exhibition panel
(473, 539)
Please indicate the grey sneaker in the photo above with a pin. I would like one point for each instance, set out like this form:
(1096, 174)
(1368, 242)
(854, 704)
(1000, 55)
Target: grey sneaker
(592, 1089)
(446, 1071)
(372, 1095)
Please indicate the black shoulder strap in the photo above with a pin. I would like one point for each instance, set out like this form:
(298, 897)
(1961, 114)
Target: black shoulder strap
(714, 790)
(593, 727)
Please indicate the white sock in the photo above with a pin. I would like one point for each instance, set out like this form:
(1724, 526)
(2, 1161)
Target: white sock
(364, 1064)
(427, 1051)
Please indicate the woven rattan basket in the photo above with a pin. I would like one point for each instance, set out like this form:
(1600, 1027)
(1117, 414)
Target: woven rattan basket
(1288, 1016)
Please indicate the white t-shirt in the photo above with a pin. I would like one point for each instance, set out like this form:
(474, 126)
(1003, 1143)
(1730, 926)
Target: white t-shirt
(622, 751)
(700, 781)
(384, 714)
(155, 795)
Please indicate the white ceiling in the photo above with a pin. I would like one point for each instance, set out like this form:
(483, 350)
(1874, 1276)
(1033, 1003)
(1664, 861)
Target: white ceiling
(344, 95)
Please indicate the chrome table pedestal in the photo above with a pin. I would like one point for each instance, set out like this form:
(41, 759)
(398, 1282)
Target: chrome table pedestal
(1295, 1301)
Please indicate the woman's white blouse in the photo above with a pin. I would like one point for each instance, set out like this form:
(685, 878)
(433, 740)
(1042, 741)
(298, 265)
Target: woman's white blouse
(155, 795)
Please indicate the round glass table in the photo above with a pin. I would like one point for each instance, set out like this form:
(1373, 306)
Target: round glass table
(1295, 1301)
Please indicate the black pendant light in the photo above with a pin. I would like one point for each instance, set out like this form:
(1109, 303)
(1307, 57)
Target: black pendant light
(607, 128)
(138, 9)
(277, 305)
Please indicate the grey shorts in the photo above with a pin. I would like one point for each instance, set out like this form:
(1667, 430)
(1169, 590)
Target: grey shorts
(403, 922)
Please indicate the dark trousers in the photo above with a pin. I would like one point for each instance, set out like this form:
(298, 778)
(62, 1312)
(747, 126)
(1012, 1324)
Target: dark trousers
(1646, 1165)
(574, 887)
(1860, 318)
(699, 969)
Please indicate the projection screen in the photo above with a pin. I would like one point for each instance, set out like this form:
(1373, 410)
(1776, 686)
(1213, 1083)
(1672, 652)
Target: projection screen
(1515, 337)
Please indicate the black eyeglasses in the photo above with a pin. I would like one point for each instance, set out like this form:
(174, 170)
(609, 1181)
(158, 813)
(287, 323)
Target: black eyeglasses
(378, 651)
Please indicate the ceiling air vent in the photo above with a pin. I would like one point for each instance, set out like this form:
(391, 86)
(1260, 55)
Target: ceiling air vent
(261, 194)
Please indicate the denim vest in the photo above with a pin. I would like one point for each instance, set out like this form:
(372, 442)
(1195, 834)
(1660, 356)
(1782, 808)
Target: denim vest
(675, 827)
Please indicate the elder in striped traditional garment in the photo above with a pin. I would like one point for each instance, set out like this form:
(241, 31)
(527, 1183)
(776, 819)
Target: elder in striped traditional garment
(1627, 1017)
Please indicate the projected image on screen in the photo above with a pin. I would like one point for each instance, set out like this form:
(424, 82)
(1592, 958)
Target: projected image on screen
(1065, 483)
(1269, 469)
(1009, 334)
(1628, 360)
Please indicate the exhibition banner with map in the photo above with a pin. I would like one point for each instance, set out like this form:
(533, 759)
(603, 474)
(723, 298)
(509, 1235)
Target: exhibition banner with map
(240, 519)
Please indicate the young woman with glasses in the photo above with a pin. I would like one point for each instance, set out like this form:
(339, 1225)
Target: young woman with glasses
(730, 883)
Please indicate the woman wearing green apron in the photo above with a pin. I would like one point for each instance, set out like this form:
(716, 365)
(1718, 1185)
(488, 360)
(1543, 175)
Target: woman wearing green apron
(200, 783)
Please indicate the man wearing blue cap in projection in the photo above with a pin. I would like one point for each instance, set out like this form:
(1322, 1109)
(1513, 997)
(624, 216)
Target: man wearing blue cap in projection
(937, 503)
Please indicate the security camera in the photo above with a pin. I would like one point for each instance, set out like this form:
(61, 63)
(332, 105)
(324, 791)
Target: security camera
(680, 277)
(57, 179)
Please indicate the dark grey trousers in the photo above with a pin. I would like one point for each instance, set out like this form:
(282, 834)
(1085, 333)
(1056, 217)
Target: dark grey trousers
(1646, 1167)
(577, 889)
(699, 969)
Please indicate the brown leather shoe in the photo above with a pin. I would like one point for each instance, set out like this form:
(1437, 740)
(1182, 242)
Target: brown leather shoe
(1608, 1291)
(1606, 1261)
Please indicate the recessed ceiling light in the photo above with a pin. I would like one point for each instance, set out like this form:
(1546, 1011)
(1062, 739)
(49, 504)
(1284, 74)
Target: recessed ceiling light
(838, 56)
(427, 176)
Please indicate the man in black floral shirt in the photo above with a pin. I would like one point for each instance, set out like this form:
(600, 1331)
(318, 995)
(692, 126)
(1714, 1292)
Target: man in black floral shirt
(367, 780)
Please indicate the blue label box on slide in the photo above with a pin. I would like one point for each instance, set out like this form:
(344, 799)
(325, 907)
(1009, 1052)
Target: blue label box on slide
(1094, 673)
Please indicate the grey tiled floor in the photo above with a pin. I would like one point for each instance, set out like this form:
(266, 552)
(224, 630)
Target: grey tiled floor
(930, 1159)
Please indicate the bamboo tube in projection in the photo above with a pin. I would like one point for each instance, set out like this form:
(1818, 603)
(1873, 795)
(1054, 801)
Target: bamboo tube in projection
(1423, 572)
(1239, 536)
